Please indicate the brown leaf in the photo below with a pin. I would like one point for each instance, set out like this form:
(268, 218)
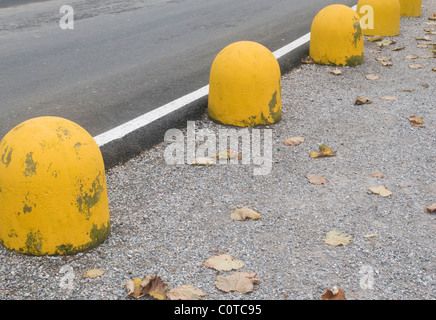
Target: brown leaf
(324, 152)
(411, 57)
(425, 38)
(307, 60)
(378, 175)
(433, 69)
(362, 100)
(316, 179)
(155, 287)
(416, 121)
(134, 288)
(294, 141)
(93, 273)
(389, 98)
(336, 294)
(337, 238)
(229, 154)
(425, 85)
(223, 262)
(374, 38)
(203, 161)
(372, 76)
(416, 66)
(431, 208)
(185, 292)
(381, 190)
(385, 43)
(244, 213)
(398, 48)
(336, 72)
(242, 282)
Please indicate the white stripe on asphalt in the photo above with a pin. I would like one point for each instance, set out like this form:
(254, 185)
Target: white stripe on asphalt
(149, 117)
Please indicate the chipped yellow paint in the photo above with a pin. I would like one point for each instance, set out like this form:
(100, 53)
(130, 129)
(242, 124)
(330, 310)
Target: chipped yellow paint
(386, 17)
(245, 86)
(411, 8)
(336, 37)
(53, 196)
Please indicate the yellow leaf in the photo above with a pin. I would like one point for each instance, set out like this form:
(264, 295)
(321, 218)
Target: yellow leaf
(337, 238)
(244, 213)
(134, 288)
(93, 273)
(362, 100)
(324, 152)
(374, 38)
(416, 121)
(155, 287)
(381, 190)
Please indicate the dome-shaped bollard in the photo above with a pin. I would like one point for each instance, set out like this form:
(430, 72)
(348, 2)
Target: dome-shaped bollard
(336, 37)
(411, 8)
(245, 86)
(53, 196)
(385, 16)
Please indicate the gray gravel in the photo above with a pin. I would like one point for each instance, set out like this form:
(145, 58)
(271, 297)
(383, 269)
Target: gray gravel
(167, 220)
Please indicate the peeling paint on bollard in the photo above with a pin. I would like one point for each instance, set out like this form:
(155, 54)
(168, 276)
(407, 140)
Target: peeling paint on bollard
(411, 8)
(53, 196)
(386, 17)
(336, 37)
(245, 86)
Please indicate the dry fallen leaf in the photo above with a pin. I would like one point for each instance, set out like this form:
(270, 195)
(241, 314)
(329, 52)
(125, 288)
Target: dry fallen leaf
(362, 100)
(294, 141)
(229, 154)
(372, 76)
(425, 38)
(370, 236)
(398, 48)
(151, 285)
(93, 273)
(416, 66)
(381, 190)
(416, 121)
(242, 282)
(384, 61)
(378, 175)
(389, 98)
(307, 60)
(411, 57)
(374, 38)
(385, 43)
(203, 161)
(244, 213)
(431, 208)
(223, 262)
(336, 72)
(324, 152)
(335, 294)
(316, 179)
(185, 292)
(337, 238)
(433, 69)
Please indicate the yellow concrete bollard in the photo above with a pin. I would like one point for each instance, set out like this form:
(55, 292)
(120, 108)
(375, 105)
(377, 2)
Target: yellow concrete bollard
(336, 37)
(411, 8)
(380, 17)
(53, 196)
(245, 86)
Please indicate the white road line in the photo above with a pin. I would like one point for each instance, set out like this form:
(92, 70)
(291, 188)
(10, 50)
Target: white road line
(147, 118)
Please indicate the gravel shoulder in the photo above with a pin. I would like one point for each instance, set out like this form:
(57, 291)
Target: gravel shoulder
(169, 219)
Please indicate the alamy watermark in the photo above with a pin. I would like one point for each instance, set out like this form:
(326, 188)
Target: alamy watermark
(67, 20)
(253, 145)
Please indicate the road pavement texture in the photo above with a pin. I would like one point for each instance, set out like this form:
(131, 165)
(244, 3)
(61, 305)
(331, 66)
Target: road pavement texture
(168, 220)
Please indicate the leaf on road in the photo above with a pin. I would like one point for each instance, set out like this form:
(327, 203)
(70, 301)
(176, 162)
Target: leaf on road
(416, 121)
(425, 38)
(307, 60)
(398, 48)
(242, 282)
(335, 294)
(229, 154)
(389, 98)
(324, 152)
(336, 72)
(203, 161)
(431, 208)
(316, 179)
(416, 66)
(372, 76)
(244, 213)
(378, 175)
(381, 190)
(370, 236)
(151, 285)
(337, 238)
(411, 57)
(384, 61)
(185, 292)
(433, 69)
(362, 100)
(294, 141)
(93, 273)
(223, 262)
(385, 43)
(374, 38)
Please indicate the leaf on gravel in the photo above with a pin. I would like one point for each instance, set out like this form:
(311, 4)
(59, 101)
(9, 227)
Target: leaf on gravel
(389, 98)
(398, 48)
(229, 154)
(425, 85)
(223, 262)
(372, 76)
(381, 190)
(307, 60)
(294, 141)
(337, 238)
(431, 23)
(362, 100)
(416, 121)
(155, 287)
(336, 72)
(431, 208)
(384, 61)
(370, 236)
(374, 38)
(432, 17)
(134, 288)
(425, 38)
(203, 161)
(335, 294)
(324, 152)
(93, 273)
(411, 57)
(185, 292)
(378, 175)
(316, 179)
(416, 66)
(385, 43)
(242, 282)
(244, 213)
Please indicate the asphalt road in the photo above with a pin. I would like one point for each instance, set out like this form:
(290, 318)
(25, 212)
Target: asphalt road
(125, 58)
